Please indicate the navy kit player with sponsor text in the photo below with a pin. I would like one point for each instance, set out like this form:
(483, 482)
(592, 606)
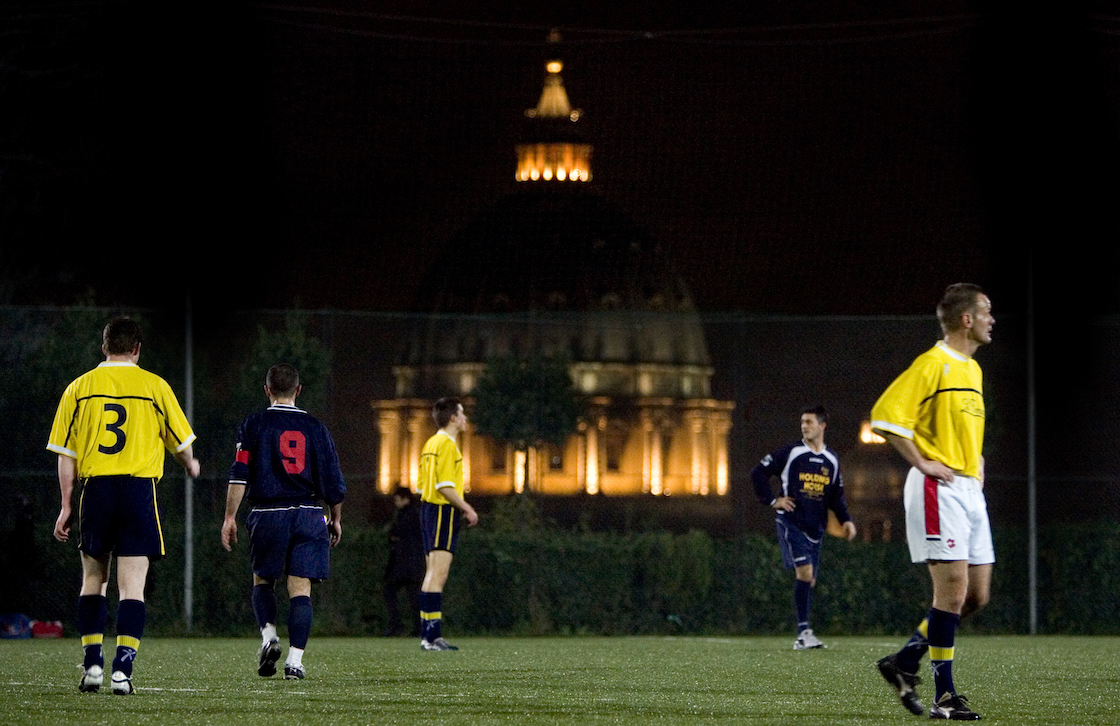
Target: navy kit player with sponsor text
(811, 486)
(933, 414)
(110, 432)
(287, 469)
(442, 509)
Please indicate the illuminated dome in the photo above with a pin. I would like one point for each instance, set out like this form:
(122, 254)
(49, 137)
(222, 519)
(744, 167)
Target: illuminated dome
(553, 268)
(558, 249)
(561, 270)
(554, 148)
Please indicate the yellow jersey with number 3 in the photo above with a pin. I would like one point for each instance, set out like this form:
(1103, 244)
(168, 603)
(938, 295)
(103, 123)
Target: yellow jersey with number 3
(938, 403)
(440, 463)
(116, 420)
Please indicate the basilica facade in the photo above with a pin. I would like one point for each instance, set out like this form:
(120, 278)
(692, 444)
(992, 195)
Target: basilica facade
(553, 268)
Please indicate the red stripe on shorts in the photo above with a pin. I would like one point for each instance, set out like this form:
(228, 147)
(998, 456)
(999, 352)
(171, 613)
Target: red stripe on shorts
(933, 516)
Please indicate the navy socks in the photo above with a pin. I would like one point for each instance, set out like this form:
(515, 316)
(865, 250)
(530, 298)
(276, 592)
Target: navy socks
(131, 615)
(942, 635)
(92, 614)
(299, 621)
(803, 601)
(430, 615)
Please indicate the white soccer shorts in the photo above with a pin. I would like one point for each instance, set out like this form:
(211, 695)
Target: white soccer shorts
(947, 521)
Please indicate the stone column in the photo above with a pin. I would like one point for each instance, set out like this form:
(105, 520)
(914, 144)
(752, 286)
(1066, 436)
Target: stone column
(721, 425)
(388, 425)
(411, 452)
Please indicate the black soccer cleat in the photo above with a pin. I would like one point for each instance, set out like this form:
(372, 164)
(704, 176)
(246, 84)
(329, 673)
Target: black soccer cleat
(902, 682)
(953, 707)
(293, 673)
(267, 657)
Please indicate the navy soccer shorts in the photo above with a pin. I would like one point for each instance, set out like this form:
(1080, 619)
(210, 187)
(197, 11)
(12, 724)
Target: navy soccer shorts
(797, 547)
(118, 515)
(291, 539)
(439, 524)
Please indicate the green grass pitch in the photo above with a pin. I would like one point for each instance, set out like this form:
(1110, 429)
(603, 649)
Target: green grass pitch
(1065, 681)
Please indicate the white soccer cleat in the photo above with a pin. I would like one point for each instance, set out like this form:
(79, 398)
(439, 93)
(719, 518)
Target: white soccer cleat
(91, 679)
(807, 641)
(438, 644)
(122, 684)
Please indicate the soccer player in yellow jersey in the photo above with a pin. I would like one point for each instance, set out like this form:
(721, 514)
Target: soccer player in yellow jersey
(442, 506)
(933, 414)
(110, 432)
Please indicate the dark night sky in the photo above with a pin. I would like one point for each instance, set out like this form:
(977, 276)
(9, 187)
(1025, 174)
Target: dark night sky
(804, 158)
(824, 158)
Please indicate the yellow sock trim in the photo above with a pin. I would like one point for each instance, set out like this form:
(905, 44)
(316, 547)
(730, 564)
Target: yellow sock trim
(431, 616)
(923, 628)
(93, 639)
(128, 641)
(940, 653)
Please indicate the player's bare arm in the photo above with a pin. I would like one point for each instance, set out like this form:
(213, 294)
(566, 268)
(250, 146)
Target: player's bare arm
(190, 464)
(67, 475)
(234, 494)
(334, 526)
(909, 451)
(459, 503)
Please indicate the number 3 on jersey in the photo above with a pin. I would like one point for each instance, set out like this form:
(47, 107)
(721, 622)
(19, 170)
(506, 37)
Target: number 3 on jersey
(116, 428)
(293, 450)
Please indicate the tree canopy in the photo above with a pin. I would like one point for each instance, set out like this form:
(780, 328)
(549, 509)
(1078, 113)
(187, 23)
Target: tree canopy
(526, 402)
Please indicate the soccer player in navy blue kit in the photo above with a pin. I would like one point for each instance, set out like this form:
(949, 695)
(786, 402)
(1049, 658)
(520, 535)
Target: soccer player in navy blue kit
(811, 486)
(287, 468)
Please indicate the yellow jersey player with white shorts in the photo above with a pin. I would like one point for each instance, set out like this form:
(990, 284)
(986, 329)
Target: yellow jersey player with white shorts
(933, 415)
(938, 403)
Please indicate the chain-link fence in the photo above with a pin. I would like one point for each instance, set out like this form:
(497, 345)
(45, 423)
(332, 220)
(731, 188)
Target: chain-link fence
(769, 367)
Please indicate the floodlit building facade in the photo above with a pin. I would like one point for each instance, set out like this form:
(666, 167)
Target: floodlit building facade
(553, 268)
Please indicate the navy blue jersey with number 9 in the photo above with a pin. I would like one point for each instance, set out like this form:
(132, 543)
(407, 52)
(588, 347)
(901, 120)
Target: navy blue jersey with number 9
(286, 456)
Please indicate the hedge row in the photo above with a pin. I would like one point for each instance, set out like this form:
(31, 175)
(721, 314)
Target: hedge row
(539, 581)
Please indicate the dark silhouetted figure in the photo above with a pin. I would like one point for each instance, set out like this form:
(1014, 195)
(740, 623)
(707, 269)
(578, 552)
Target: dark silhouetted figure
(405, 569)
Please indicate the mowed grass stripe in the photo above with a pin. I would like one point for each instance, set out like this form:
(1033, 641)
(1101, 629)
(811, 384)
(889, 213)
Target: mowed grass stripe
(1065, 681)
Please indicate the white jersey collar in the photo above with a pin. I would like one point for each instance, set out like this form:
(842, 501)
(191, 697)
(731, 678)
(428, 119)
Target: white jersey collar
(953, 353)
(285, 407)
